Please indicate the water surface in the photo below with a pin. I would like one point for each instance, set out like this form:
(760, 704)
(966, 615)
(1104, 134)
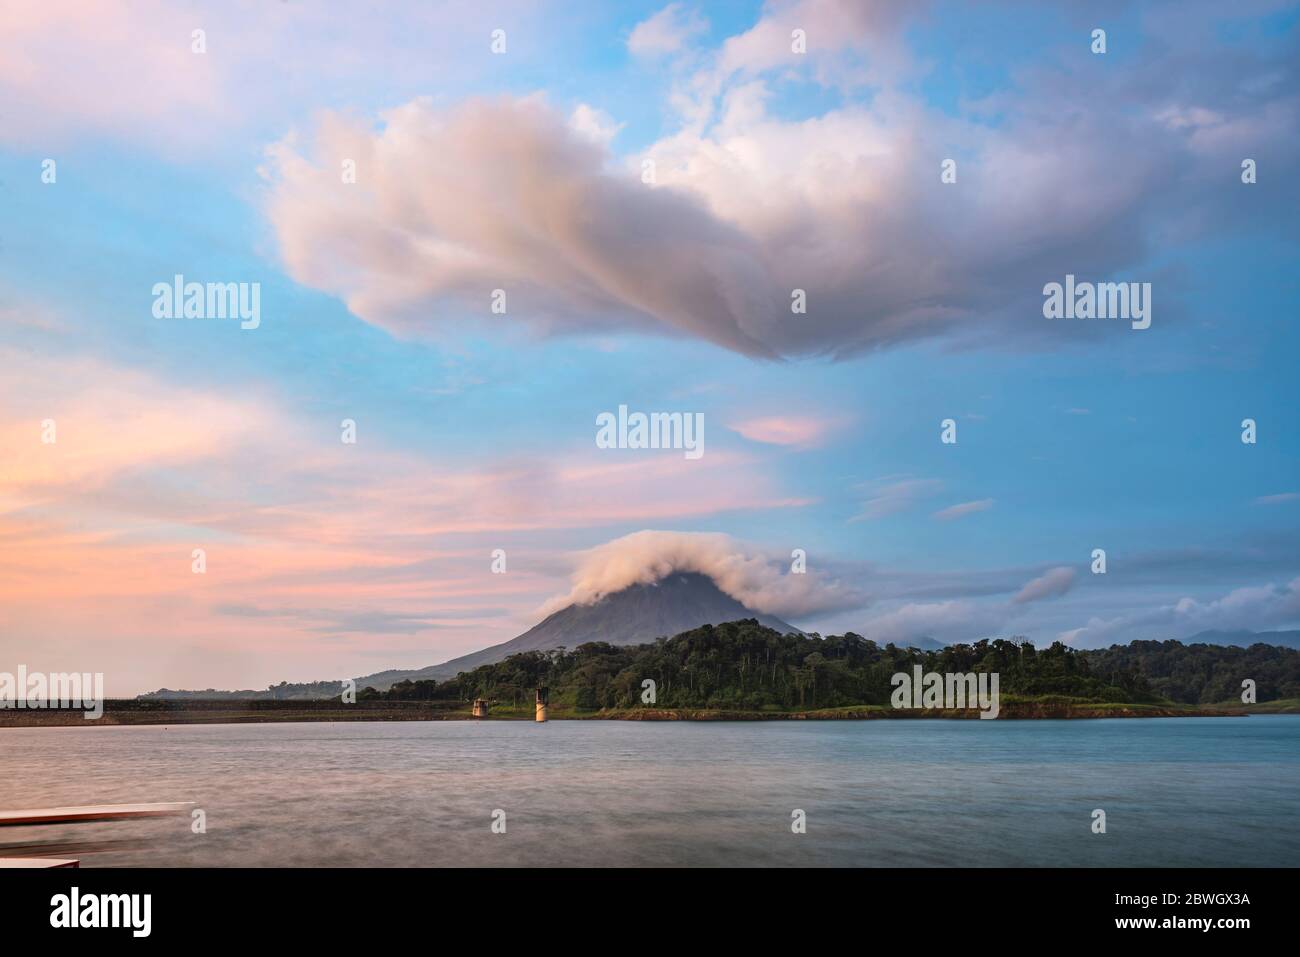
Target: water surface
(1176, 792)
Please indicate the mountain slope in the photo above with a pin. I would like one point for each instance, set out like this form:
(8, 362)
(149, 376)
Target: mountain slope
(636, 615)
(1244, 639)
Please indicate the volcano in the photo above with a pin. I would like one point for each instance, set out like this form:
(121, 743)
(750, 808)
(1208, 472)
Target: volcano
(635, 615)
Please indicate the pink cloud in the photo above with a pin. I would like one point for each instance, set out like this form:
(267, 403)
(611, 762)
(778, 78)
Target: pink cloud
(795, 431)
(1051, 584)
(317, 558)
(963, 509)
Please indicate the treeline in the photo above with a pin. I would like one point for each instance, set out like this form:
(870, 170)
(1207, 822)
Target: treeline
(284, 691)
(742, 665)
(1205, 674)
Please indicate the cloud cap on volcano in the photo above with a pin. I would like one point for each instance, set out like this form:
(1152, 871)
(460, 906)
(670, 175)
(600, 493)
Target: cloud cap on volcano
(757, 578)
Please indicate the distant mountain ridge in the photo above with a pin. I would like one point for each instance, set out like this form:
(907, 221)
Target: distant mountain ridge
(1244, 639)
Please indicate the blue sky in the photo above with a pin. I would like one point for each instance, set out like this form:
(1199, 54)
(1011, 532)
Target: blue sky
(522, 171)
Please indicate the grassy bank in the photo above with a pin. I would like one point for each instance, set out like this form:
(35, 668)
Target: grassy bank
(1280, 706)
(233, 711)
(154, 712)
(1012, 708)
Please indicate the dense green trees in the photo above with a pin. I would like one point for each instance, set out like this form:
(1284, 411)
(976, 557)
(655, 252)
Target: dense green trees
(743, 666)
(1200, 674)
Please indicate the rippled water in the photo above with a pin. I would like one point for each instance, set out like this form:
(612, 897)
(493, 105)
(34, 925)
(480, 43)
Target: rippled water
(1184, 791)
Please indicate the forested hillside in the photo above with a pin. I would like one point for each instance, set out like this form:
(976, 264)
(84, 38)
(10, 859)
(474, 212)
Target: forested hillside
(744, 666)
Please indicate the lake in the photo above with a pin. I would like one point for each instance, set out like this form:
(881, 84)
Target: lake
(1176, 792)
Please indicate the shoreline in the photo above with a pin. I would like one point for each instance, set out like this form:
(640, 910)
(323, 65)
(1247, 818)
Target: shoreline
(152, 713)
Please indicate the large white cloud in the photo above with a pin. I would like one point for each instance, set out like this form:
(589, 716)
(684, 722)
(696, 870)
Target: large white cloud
(747, 205)
(847, 206)
(504, 194)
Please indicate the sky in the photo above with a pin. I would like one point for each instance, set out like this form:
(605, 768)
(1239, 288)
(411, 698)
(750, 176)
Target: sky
(474, 228)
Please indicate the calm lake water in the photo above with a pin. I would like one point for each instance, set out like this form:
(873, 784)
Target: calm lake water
(1177, 792)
